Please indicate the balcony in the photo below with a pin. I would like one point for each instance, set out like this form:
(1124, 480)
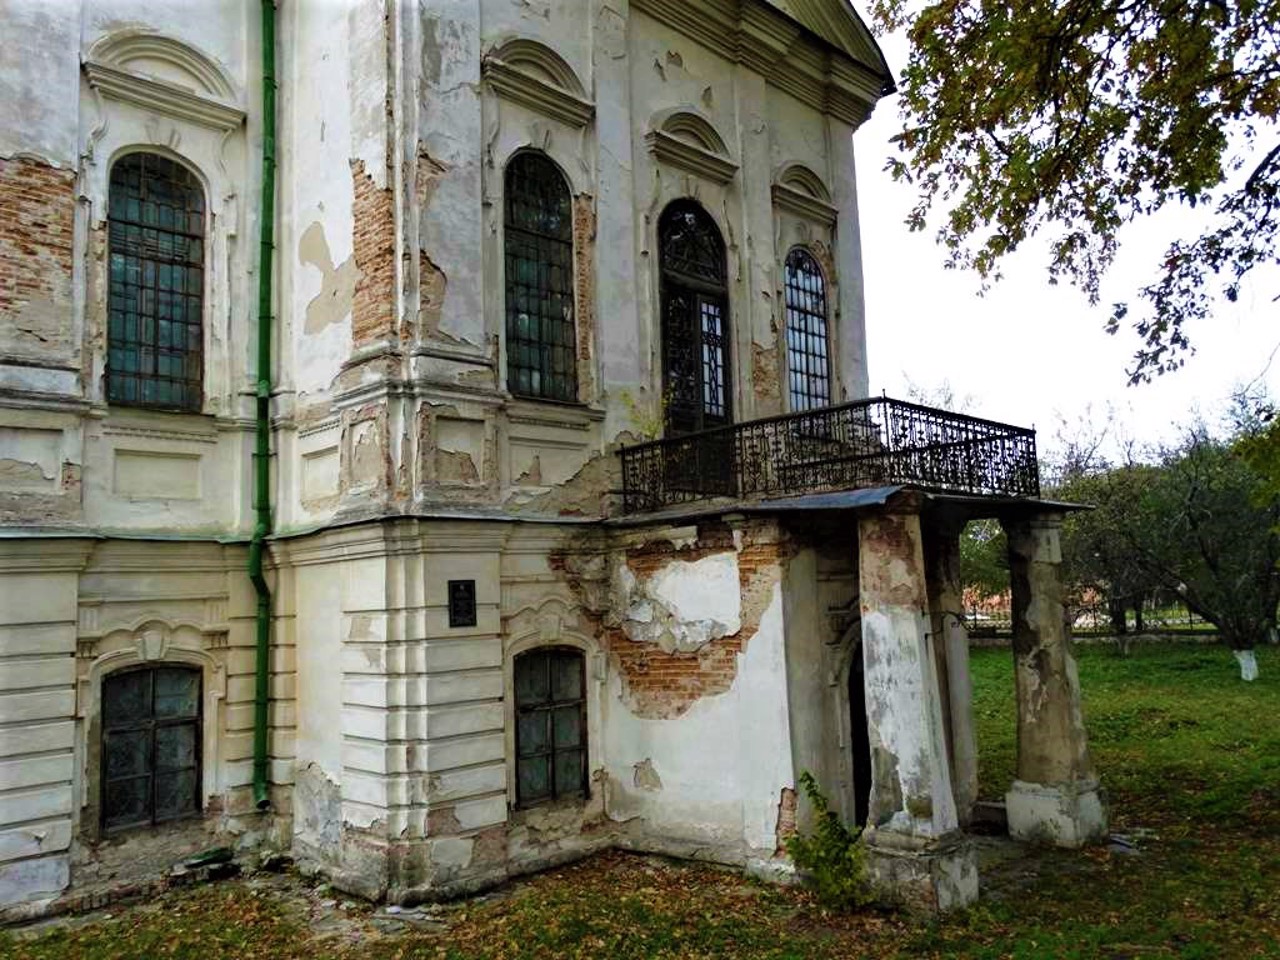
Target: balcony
(859, 445)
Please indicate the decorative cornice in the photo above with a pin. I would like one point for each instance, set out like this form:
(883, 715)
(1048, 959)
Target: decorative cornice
(764, 36)
(151, 433)
(803, 205)
(682, 154)
(22, 552)
(165, 98)
(123, 48)
(814, 70)
(518, 86)
(319, 426)
(714, 24)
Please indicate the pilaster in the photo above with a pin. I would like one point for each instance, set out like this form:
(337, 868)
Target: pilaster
(951, 651)
(1056, 798)
(38, 618)
(917, 854)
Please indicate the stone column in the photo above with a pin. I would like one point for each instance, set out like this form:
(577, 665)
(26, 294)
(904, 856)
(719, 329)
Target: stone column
(916, 852)
(1056, 797)
(951, 650)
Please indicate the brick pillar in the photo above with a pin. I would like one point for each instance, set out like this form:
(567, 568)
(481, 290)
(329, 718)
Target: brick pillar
(1056, 797)
(951, 649)
(916, 852)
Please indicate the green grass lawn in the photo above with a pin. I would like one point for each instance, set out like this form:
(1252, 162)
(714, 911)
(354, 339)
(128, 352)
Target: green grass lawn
(1189, 754)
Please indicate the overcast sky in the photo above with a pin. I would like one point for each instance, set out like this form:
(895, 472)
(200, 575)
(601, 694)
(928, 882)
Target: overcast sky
(1028, 352)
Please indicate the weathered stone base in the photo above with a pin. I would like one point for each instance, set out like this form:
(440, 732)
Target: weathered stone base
(1064, 815)
(28, 886)
(924, 875)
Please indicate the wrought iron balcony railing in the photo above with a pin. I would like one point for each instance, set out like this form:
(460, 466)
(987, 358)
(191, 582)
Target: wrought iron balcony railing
(867, 443)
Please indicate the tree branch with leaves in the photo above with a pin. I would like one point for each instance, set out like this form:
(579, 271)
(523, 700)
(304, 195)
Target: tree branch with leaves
(1070, 119)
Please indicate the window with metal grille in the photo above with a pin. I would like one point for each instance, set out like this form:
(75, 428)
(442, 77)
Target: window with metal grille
(551, 725)
(150, 746)
(808, 346)
(541, 344)
(155, 298)
(695, 314)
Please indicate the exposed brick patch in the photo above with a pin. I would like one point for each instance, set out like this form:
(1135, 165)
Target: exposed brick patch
(786, 827)
(432, 285)
(37, 222)
(584, 258)
(662, 685)
(766, 379)
(374, 247)
(490, 847)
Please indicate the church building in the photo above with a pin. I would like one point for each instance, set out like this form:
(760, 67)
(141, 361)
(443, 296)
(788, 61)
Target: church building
(435, 443)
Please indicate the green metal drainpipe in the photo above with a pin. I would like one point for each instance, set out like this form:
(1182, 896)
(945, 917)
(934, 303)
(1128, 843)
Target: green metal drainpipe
(262, 426)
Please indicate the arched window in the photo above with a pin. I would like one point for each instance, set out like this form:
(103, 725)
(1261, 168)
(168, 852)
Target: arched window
(808, 353)
(541, 347)
(150, 745)
(695, 320)
(155, 299)
(551, 725)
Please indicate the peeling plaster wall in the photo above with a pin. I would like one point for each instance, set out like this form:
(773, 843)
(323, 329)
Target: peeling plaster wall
(117, 469)
(408, 750)
(390, 400)
(395, 244)
(220, 30)
(316, 262)
(35, 74)
(704, 768)
(449, 128)
(74, 610)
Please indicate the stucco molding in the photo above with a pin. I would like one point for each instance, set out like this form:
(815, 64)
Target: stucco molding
(537, 628)
(91, 627)
(684, 140)
(801, 192)
(163, 98)
(829, 63)
(156, 643)
(535, 76)
(29, 552)
(134, 49)
(803, 205)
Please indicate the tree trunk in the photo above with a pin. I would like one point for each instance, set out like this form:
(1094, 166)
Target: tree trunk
(1116, 610)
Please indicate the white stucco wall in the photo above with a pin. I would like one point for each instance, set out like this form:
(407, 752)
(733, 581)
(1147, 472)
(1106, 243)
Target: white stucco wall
(722, 764)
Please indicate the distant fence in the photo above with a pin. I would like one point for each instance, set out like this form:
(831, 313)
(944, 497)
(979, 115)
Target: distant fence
(995, 619)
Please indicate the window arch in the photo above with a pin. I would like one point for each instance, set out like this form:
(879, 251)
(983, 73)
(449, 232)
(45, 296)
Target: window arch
(538, 246)
(155, 297)
(695, 320)
(808, 343)
(551, 724)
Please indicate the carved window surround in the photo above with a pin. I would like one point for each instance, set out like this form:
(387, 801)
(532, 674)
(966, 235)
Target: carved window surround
(799, 191)
(535, 76)
(685, 156)
(686, 141)
(802, 205)
(114, 83)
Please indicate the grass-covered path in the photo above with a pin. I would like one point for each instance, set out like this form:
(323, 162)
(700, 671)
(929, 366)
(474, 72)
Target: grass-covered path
(1189, 754)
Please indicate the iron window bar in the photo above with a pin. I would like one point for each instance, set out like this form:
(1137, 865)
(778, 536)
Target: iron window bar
(849, 446)
(156, 275)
